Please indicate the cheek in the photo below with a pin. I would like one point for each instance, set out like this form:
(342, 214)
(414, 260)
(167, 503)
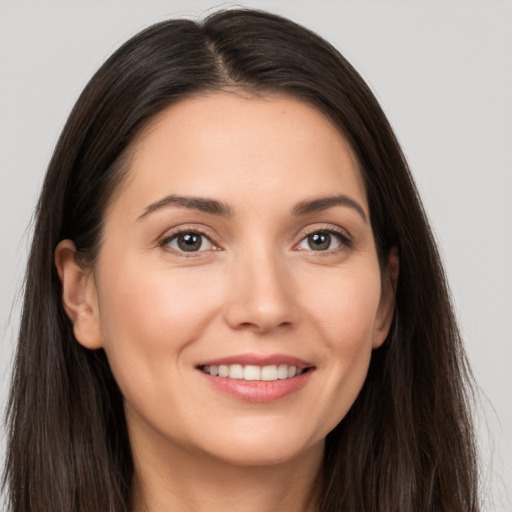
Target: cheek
(155, 302)
(149, 317)
(344, 305)
(344, 311)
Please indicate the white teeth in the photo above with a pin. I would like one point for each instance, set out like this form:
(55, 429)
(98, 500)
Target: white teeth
(253, 372)
(236, 371)
(269, 373)
(282, 371)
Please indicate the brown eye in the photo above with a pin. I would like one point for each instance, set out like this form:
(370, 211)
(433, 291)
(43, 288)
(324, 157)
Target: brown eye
(321, 241)
(189, 241)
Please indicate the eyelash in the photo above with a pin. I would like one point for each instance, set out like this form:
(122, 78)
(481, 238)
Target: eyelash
(344, 241)
(164, 243)
(341, 235)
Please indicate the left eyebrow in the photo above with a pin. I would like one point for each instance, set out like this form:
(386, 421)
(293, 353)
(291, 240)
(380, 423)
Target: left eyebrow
(324, 203)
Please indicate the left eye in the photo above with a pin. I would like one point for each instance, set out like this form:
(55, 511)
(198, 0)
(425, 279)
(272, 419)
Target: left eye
(321, 241)
(189, 241)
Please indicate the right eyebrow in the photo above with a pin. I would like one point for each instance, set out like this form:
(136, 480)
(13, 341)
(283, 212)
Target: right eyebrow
(202, 204)
(324, 203)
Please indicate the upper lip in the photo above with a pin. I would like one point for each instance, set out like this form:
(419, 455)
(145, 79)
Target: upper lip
(257, 360)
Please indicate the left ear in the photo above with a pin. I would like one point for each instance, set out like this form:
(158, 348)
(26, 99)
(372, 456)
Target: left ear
(387, 299)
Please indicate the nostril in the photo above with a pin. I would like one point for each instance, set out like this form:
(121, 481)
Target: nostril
(263, 326)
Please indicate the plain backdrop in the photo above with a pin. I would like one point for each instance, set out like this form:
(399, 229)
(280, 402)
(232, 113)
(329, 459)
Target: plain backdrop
(442, 71)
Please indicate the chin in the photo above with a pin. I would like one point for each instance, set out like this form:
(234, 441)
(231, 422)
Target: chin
(264, 450)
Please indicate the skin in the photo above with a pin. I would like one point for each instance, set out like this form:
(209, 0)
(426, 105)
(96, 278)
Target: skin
(257, 287)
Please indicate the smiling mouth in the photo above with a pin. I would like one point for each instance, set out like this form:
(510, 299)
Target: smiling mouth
(255, 373)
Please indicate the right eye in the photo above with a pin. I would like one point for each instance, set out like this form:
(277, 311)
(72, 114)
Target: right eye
(188, 241)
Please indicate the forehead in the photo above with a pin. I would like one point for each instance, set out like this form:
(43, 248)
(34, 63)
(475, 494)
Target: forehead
(225, 144)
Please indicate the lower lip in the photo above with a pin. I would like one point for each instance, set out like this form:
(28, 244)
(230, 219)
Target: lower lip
(256, 390)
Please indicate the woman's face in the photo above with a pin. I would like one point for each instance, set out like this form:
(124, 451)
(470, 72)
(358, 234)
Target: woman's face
(239, 244)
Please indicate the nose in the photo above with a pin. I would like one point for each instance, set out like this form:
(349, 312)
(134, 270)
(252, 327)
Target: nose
(261, 295)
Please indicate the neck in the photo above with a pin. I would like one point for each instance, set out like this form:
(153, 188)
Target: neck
(174, 479)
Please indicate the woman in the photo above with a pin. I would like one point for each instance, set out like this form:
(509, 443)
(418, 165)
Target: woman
(233, 298)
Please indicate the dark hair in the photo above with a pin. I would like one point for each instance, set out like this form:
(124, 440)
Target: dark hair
(407, 442)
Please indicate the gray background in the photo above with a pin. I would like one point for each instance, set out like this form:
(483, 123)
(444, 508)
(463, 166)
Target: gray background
(442, 71)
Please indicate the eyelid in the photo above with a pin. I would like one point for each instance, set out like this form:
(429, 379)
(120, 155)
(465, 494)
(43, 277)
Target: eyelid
(341, 233)
(345, 237)
(171, 234)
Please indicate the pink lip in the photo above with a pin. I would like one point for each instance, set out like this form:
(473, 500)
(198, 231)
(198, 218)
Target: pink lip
(258, 360)
(258, 391)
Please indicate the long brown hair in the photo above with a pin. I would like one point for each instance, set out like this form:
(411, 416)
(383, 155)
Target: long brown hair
(406, 444)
